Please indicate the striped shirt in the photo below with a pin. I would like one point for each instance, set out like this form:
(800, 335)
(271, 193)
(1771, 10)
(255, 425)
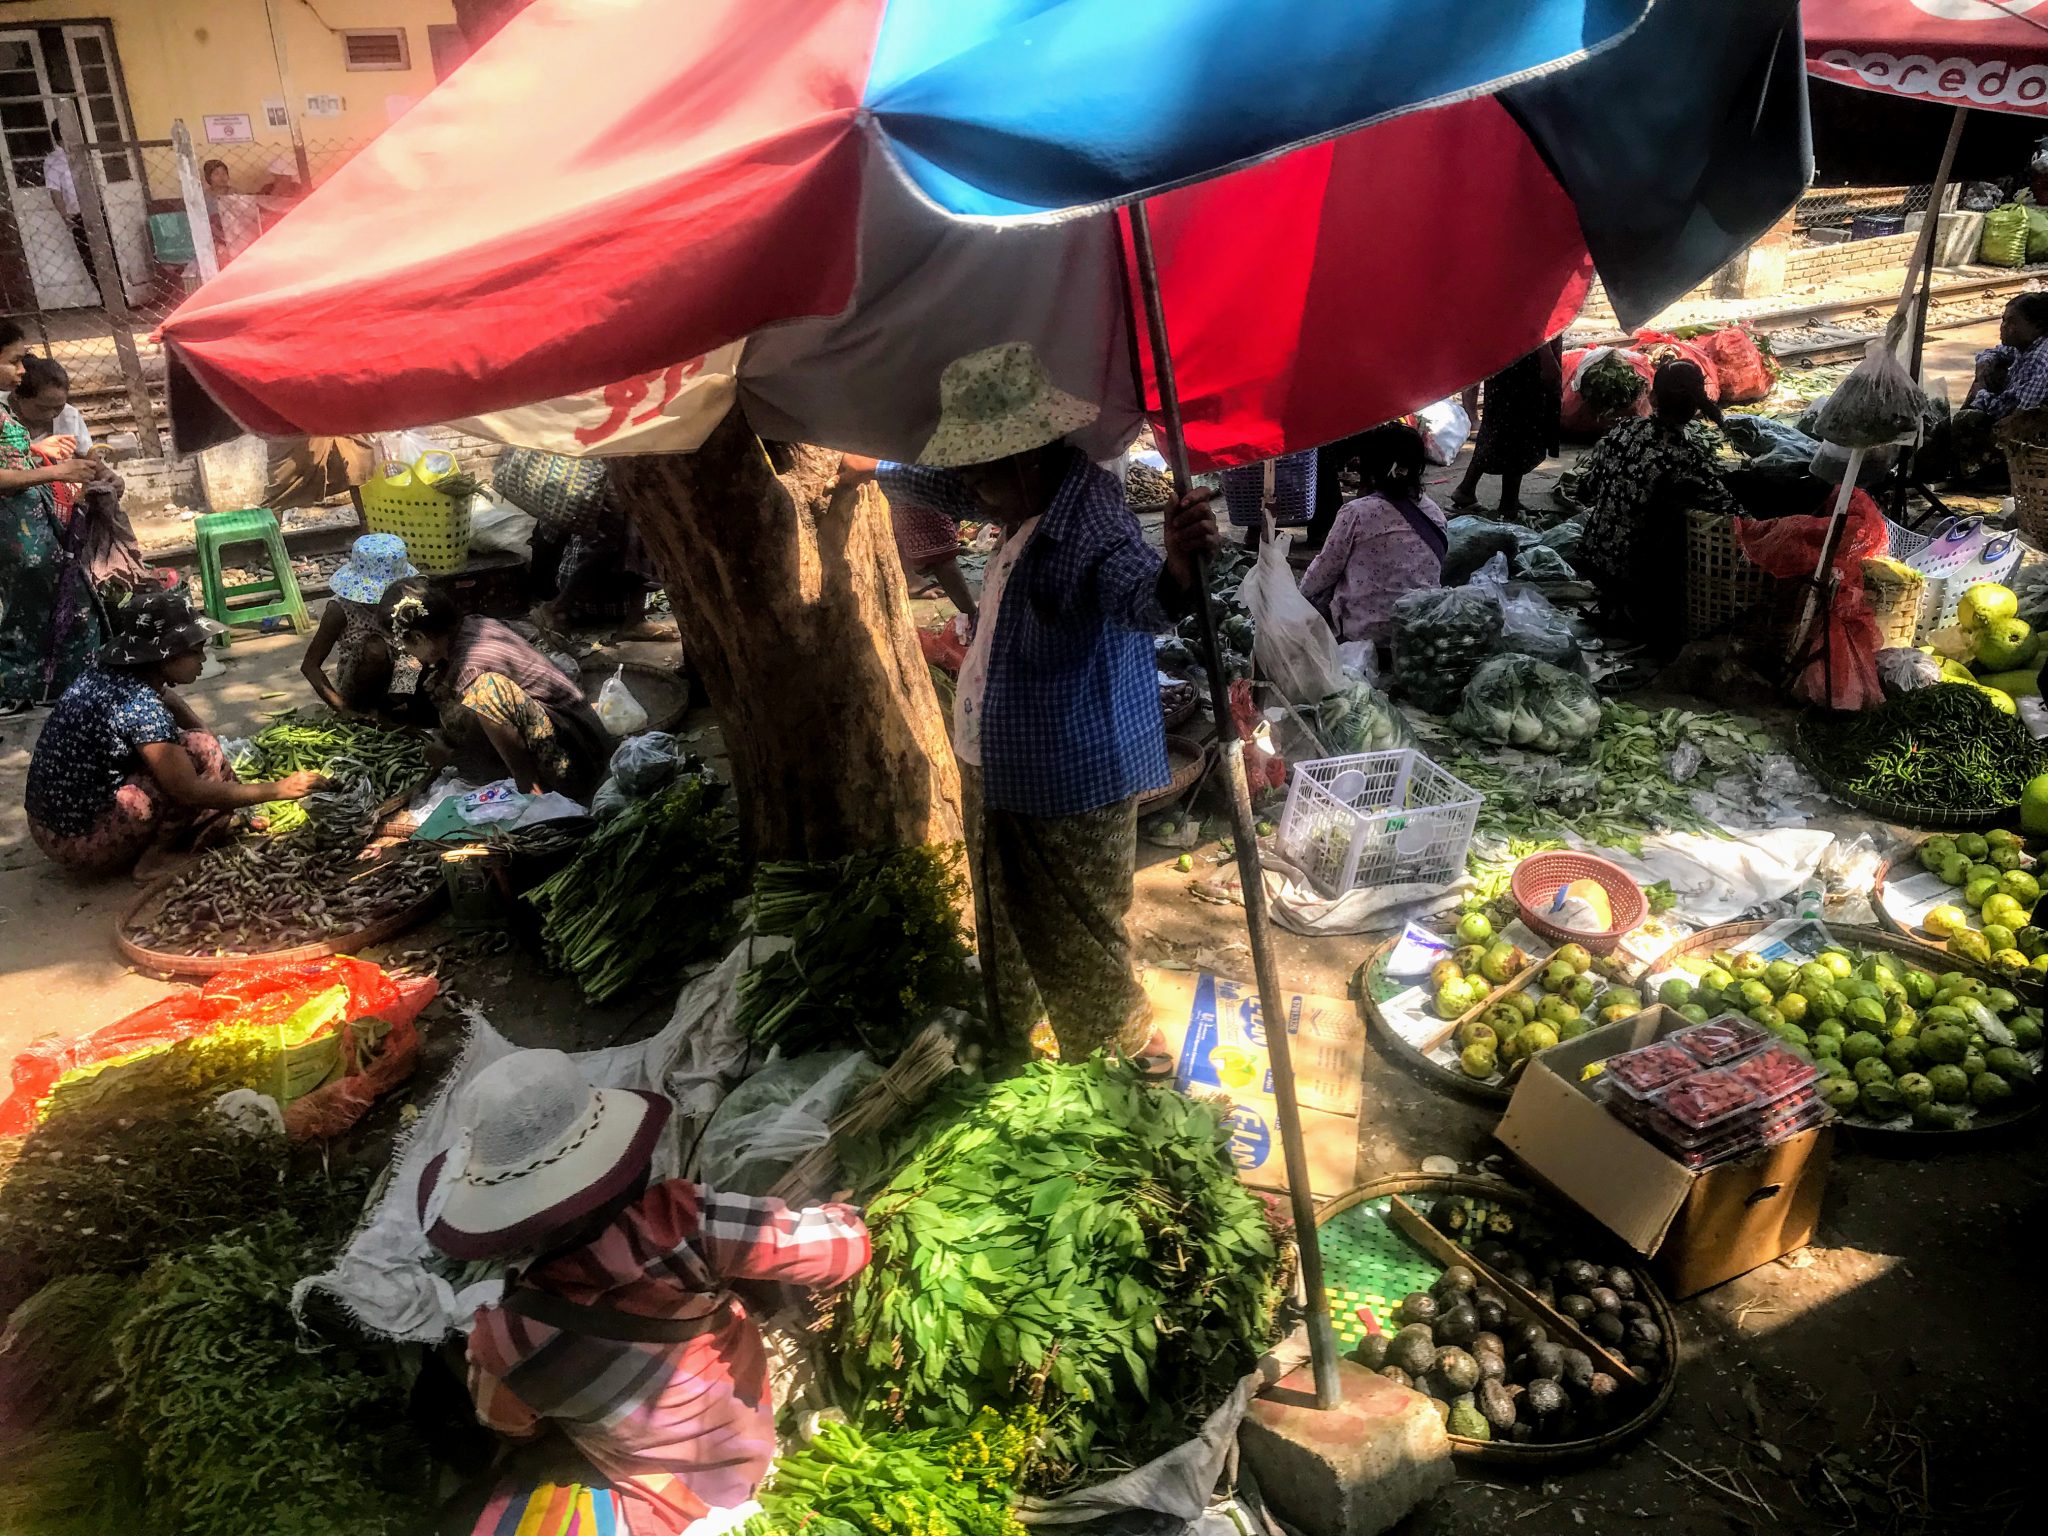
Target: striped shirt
(682, 1427)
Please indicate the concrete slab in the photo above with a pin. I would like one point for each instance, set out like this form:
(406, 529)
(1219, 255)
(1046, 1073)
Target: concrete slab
(1354, 1470)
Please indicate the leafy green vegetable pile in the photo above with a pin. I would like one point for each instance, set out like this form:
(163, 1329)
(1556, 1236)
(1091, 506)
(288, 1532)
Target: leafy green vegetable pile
(876, 948)
(929, 1482)
(1943, 748)
(1361, 719)
(651, 890)
(1520, 701)
(1071, 1239)
(1611, 387)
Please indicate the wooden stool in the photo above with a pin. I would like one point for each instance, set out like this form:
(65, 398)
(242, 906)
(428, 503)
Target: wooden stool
(271, 597)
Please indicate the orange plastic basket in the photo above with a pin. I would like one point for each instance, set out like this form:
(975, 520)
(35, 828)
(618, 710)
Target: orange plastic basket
(1536, 882)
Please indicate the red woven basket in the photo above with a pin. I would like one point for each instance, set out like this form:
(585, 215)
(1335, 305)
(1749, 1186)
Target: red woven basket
(1535, 885)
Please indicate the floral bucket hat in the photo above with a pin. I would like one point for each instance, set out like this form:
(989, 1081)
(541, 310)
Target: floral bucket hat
(997, 402)
(374, 562)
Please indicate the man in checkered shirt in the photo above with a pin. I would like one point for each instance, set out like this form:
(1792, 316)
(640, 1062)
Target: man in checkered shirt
(1056, 721)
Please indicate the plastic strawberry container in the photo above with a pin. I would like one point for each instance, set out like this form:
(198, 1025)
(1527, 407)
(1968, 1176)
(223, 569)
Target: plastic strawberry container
(1708, 1098)
(1721, 1040)
(1650, 1069)
(1776, 1071)
(1750, 1137)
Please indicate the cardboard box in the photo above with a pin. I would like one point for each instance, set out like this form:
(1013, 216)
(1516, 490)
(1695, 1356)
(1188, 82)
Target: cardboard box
(1698, 1228)
(1218, 1039)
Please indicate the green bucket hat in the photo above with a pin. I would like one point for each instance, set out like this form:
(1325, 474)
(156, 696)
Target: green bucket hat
(997, 402)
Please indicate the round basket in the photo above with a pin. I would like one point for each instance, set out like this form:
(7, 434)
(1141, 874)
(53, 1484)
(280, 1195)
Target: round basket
(1359, 1270)
(1178, 702)
(1893, 810)
(1448, 1079)
(1725, 590)
(664, 695)
(171, 963)
(1925, 956)
(2028, 463)
(1186, 758)
(1537, 878)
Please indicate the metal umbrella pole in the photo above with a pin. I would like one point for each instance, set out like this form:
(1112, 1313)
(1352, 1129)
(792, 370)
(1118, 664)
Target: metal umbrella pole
(1272, 1007)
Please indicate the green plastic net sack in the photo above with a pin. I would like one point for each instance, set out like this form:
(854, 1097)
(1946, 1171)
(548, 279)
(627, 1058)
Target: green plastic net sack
(2037, 234)
(2005, 237)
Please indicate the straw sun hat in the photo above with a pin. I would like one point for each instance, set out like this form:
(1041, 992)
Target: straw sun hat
(997, 402)
(539, 1149)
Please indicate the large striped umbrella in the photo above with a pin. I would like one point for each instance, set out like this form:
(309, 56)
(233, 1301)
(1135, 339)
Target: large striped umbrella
(641, 210)
(1991, 54)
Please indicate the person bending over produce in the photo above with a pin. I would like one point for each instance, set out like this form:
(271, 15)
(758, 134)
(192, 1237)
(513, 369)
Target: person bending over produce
(1638, 482)
(1056, 722)
(365, 665)
(619, 1325)
(1388, 542)
(122, 763)
(485, 679)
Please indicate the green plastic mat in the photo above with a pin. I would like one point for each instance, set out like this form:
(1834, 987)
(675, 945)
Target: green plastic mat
(1367, 1264)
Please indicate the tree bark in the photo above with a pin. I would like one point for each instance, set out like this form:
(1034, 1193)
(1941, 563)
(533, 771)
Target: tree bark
(794, 613)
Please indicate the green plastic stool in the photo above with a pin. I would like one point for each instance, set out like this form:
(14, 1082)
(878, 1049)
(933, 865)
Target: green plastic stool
(275, 596)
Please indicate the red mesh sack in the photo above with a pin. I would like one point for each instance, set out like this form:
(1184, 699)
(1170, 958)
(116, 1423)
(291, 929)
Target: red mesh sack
(943, 647)
(1745, 375)
(1661, 348)
(1845, 677)
(1577, 419)
(38, 1067)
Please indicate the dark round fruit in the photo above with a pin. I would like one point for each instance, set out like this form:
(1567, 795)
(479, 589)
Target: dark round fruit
(1545, 1399)
(1543, 1363)
(1459, 1278)
(1606, 1327)
(1372, 1351)
(1499, 1255)
(1521, 1275)
(1484, 1343)
(1603, 1298)
(1492, 1367)
(1493, 1313)
(1631, 1310)
(1621, 1282)
(1580, 1275)
(1544, 1293)
(1397, 1376)
(1521, 1432)
(1421, 1307)
(1578, 1369)
(1526, 1336)
(1458, 1324)
(1433, 1384)
(1577, 1308)
(1497, 1404)
(1602, 1390)
(1458, 1368)
(1413, 1349)
(1643, 1340)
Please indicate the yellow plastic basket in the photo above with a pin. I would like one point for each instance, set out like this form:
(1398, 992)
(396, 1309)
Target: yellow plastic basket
(402, 499)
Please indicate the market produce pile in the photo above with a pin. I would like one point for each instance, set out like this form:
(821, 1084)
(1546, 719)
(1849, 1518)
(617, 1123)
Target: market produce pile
(650, 891)
(928, 1482)
(1518, 701)
(1986, 871)
(1440, 636)
(1072, 1240)
(1496, 1368)
(305, 886)
(1990, 646)
(1567, 998)
(392, 762)
(875, 949)
(1948, 748)
(1896, 1045)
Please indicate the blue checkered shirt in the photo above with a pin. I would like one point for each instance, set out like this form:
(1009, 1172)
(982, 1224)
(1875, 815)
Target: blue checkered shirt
(920, 485)
(2026, 381)
(1070, 721)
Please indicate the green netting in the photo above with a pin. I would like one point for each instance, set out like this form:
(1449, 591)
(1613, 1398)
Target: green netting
(1366, 1263)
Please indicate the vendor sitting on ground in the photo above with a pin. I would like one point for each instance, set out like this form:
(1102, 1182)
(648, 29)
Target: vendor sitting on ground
(366, 667)
(1637, 484)
(123, 762)
(2013, 376)
(1385, 544)
(926, 508)
(489, 683)
(618, 1324)
(1056, 723)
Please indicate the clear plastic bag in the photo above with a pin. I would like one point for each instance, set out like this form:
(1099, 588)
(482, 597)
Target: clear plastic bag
(1876, 404)
(1293, 646)
(1531, 625)
(1518, 701)
(1473, 541)
(1901, 669)
(621, 713)
(643, 763)
(1440, 635)
(609, 800)
(1361, 719)
(776, 1116)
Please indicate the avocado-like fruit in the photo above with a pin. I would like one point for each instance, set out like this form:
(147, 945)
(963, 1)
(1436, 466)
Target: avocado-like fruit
(1543, 1363)
(1526, 1336)
(1607, 1328)
(1621, 1282)
(1457, 1325)
(1576, 1307)
(1397, 1376)
(1496, 1403)
(1643, 1341)
(1487, 1343)
(1371, 1351)
(1578, 1369)
(1459, 1369)
(1580, 1275)
(1605, 1298)
(1418, 1307)
(1466, 1421)
(1493, 1313)
(1413, 1350)
(1545, 1398)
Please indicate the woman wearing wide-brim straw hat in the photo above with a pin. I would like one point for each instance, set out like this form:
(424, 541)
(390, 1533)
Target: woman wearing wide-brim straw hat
(618, 1325)
(1056, 720)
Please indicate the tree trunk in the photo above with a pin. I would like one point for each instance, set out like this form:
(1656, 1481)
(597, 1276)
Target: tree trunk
(794, 613)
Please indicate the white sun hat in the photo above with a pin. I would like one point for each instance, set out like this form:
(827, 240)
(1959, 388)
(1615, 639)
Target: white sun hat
(539, 1149)
(997, 402)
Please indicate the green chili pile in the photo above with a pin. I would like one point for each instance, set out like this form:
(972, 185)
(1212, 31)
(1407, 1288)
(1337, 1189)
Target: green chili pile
(393, 762)
(1942, 748)
(651, 891)
(876, 948)
(931, 1482)
(1073, 1240)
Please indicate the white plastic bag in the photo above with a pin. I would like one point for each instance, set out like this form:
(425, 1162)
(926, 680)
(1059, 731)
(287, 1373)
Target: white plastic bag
(1360, 661)
(776, 1116)
(617, 708)
(1293, 647)
(1445, 426)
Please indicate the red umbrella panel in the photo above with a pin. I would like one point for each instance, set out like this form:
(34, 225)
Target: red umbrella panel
(1991, 54)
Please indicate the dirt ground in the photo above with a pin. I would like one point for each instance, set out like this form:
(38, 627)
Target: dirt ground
(1881, 1380)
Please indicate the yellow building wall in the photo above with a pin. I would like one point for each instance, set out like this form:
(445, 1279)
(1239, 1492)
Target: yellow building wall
(192, 59)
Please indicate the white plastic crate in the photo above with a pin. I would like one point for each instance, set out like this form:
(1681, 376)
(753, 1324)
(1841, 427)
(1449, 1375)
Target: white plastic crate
(1376, 818)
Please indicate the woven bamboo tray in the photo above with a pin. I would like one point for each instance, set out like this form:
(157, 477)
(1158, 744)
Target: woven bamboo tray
(172, 963)
(1365, 1256)
(665, 696)
(1921, 816)
(1425, 1066)
(2030, 986)
(1186, 758)
(1927, 958)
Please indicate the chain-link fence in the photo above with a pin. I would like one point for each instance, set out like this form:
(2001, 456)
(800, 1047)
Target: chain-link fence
(1857, 213)
(102, 237)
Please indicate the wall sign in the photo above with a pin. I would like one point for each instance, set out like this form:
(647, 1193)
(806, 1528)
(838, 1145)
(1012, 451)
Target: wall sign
(229, 128)
(323, 106)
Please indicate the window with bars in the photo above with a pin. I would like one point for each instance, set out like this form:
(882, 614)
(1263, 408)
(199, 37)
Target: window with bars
(376, 48)
(40, 63)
